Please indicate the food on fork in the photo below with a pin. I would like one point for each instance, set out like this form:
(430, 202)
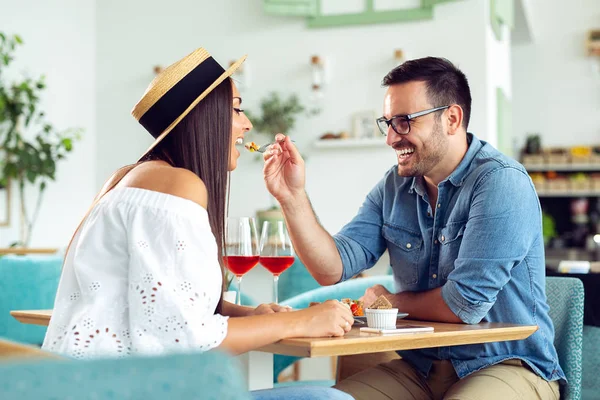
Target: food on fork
(381, 304)
(251, 146)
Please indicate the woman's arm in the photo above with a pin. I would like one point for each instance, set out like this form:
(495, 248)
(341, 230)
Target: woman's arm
(331, 318)
(233, 310)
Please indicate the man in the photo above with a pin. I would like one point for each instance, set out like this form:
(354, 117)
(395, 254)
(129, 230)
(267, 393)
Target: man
(462, 224)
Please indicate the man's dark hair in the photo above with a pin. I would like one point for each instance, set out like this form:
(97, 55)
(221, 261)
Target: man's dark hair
(445, 83)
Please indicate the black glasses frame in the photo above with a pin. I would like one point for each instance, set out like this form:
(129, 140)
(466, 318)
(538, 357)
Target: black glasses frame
(407, 118)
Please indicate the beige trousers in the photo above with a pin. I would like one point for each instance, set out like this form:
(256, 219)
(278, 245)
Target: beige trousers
(510, 380)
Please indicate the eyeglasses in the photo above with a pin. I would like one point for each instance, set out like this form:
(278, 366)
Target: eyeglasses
(401, 123)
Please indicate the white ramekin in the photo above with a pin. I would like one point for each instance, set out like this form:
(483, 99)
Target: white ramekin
(381, 319)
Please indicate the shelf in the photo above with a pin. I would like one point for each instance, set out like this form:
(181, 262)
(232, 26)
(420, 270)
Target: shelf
(348, 143)
(573, 193)
(562, 167)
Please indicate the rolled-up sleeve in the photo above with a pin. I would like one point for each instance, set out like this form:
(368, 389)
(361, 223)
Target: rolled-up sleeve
(504, 223)
(360, 243)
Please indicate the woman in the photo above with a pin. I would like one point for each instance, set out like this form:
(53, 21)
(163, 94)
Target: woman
(143, 272)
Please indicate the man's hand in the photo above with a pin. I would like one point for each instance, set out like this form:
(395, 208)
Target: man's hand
(373, 293)
(284, 169)
(269, 309)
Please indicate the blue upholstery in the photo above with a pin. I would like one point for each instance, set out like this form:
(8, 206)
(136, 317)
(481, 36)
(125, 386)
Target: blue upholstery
(353, 288)
(565, 298)
(295, 281)
(27, 283)
(591, 363)
(211, 375)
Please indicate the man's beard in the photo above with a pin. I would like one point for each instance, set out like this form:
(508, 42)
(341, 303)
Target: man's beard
(429, 155)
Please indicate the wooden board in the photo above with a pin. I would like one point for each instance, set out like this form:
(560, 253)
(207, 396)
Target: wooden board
(33, 317)
(444, 334)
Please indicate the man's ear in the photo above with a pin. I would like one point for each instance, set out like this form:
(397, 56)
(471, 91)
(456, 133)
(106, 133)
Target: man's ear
(454, 118)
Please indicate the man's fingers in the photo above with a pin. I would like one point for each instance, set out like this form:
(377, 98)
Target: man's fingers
(289, 146)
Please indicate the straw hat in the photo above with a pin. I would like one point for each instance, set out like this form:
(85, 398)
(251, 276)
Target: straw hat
(177, 90)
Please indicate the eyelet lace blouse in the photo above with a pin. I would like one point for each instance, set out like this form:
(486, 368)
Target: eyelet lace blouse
(141, 277)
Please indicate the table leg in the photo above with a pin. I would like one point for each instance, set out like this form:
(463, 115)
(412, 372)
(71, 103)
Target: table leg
(257, 368)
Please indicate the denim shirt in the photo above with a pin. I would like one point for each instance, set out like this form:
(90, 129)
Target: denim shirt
(483, 245)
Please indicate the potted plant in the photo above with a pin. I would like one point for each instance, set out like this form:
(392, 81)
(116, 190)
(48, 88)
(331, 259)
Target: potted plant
(29, 144)
(277, 114)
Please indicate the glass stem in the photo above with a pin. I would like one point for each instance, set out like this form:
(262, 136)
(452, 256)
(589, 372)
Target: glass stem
(275, 291)
(239, 293)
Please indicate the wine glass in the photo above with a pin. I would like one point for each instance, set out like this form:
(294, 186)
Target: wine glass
(241, 248)
(276, 251)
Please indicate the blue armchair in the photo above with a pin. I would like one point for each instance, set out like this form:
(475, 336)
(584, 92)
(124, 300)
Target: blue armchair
(565, 298)
(27, 283)
(591, 362)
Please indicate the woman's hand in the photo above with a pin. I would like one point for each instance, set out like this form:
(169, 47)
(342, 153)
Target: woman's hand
(283, 172)
(331, 318)
(269, 309)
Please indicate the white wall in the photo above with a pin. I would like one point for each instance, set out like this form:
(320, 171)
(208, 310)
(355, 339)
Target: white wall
(556, 87)
(134, 36)
(59, 38)
(498, 68)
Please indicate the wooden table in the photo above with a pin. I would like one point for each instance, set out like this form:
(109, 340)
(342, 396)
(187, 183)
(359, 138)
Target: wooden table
(33, 317)
(26, 250)
(356, 342)
(17, 351)
(258, 365)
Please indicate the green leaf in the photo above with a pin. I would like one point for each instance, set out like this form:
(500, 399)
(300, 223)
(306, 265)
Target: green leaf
(31, 176)
(68, 144)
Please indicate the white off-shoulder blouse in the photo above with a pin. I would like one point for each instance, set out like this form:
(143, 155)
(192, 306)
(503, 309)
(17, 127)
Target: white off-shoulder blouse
(141, 277)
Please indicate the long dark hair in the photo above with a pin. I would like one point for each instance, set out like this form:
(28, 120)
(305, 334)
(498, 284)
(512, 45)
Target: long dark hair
(201, 143)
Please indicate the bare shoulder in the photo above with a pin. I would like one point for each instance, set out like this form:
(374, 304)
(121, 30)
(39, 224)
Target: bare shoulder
(161, 177)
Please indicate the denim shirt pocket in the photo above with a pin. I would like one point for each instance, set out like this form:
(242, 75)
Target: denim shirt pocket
(450, 238)
(405, 248)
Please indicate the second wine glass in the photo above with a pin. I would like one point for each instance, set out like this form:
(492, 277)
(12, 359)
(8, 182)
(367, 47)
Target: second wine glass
(276, 251)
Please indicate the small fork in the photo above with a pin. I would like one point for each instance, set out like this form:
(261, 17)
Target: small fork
(264, 147)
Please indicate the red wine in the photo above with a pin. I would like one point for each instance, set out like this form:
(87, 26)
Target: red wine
(239, 265)
(277, 264)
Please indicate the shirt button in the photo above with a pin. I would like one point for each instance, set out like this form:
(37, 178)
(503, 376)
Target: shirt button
(434, 276)
(443, 238)
(436, 241)
(429, 214)
(408, 245)
(439, 205)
